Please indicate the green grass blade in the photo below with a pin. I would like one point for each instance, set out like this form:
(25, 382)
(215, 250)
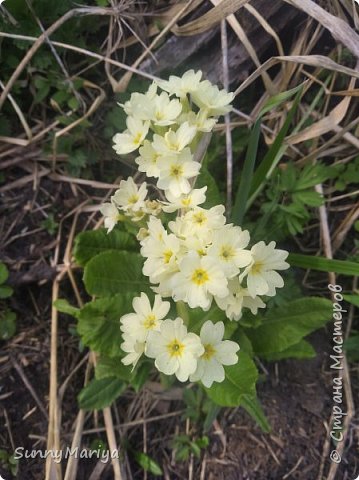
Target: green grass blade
(276, 100)
(246, 175)
(274, 154)
(324, 264)
(252, 405)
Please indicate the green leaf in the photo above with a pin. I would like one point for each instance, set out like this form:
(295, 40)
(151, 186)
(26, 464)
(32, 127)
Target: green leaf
(213, 195)
(4, 273)
(64, 120)
(251, 404)
(212, 412)
(240, 203)
(249, 320)
(60, 96)
(286, 325)
(99, 323)
(50, 224)
(276, 100)
(99, 394)
(91, 243)
(114, 272)
(6, 291)
(42, 92)
(140, 375)
(147, 463)
(73, 103)
(323, 264)
(351, 346)
(7, 324)
(275, 152)
(197, 317)
(313, 199)
(112, 367)
(196, 449)
(302, 349)
(353, 299)
(243, 341)
(4, 455)
(312, 175)
(63, 306)
(240, 380)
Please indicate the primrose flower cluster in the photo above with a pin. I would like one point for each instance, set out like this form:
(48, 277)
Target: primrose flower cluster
(175, 350)
(191, 253)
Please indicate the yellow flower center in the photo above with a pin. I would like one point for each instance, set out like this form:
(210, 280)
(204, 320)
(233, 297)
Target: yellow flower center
(256, 268)
(209, 351)
(137, 138)
(199, 218)
(172, 141)
(159, 115)
(150, 322)
(138, 214)
(200, 276)
(167, 255)
(186, 201)
(227, 252)
(173, 146)
(154, 158)
(176, 171)
(133, 199)
(175, 348)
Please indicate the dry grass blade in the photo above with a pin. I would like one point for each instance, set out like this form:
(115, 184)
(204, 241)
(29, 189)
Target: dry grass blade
(111, 438)
(122, 84)
(163, 17)
(323, 150)
(237, 28)
(318, 61)
(344, 368)
(354, 13)
(83, 51)
(342, 231)
(82, 181)
(211, 18)
(354, 92)
(96, 103)
(29, 386)
(19, 114)
(267, 27)
(53, 471)
(340, 30)
(72, 464)
(14, 141)
(229, 145)
(23, 180)
(325, 124)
